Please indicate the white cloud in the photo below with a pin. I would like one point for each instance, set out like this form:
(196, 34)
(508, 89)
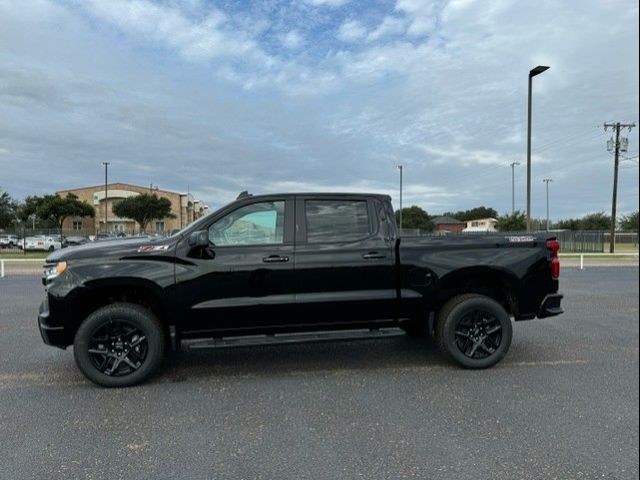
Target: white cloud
(433, 195)
(328, 3)
(388, 26)
(292, 39)
(471, 156)
(422, 15)
(203, 38)
(351, 30)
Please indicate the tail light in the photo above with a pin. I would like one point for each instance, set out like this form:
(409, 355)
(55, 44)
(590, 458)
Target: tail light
(554, 247)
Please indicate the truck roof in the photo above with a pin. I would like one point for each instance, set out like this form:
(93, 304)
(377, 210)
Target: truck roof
(381, 196)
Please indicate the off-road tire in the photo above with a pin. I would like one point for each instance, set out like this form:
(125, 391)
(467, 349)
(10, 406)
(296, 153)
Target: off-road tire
(450, 330)
(139, 318)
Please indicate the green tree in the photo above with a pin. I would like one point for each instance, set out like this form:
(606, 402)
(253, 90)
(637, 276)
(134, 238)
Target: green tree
(568, 224)
(29, 207)
(592, 221)
(629, 223)
(415, 217)
(56, 209)
(472, 214)
(8, 210)
(512, 222)
(26, 212)
(144, 208)
(595, 221)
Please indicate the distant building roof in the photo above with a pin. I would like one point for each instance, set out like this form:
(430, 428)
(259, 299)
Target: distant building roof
(486, 219)
(447, 221)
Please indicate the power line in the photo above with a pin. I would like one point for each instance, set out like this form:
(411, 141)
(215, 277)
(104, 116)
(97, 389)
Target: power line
(568, 139)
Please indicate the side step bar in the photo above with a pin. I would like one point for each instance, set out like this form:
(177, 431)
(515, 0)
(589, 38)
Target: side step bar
(293, 338)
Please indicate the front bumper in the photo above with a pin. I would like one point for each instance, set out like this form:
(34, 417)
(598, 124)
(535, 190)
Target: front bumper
(550, 306)
(51, 335)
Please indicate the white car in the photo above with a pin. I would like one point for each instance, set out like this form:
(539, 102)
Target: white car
(42, 242)
(8, 241)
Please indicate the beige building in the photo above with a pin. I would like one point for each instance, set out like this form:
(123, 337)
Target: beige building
(184, 206)
(481, 225)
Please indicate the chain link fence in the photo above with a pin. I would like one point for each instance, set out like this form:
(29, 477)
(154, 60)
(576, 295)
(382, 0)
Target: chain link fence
(570, 241)
(12, 241)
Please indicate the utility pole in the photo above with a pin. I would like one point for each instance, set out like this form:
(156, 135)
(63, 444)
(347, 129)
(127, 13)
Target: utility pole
(532, 73)
(547, 180)
(400, 167)
(618, 145)
(106, 193)
(513, 187)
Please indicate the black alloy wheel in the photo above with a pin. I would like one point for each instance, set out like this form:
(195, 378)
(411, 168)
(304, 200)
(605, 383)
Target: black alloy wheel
(119, 345)
(118, 348)
(473, 330)
(478, 334)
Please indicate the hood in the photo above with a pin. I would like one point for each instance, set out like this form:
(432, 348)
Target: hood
(114, 248)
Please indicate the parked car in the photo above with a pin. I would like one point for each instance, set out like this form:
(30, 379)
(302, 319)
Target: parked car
(42, 242)
(279, 265)
(74, 241)
(9, 241)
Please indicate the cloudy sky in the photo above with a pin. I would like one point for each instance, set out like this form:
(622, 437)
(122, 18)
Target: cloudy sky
(310, 95)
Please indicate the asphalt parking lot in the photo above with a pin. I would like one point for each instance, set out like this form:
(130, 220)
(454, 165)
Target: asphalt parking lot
(563, 404)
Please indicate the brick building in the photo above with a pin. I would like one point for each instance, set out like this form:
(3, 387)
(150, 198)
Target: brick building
(184, 206)
(448, 224)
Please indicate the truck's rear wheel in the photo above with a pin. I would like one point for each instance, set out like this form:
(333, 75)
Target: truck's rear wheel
(473, 330)
(119, 345)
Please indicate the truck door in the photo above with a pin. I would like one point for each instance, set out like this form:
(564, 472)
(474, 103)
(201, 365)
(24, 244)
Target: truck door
(244, 279)
(344, 263)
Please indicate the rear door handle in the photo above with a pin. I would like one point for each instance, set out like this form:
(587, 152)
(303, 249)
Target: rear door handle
(275, 259)
(373, 256)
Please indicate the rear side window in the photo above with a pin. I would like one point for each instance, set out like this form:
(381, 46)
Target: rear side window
(337, 220)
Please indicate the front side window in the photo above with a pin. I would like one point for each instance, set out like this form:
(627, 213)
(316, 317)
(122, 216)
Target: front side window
(256, 224)
(337, 220)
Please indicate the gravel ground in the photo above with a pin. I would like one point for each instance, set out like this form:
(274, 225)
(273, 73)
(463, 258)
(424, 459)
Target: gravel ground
(563, 404)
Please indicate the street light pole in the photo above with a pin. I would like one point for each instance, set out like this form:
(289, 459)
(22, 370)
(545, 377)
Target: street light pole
(547, 180)
(513, 187)
(106, 192)
(532, 73)
(400, 167)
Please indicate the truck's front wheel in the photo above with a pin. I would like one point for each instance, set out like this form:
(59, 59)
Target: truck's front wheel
(474, 330)
(119, 345)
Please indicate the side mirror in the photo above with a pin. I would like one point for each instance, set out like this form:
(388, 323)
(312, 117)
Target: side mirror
(199, 239)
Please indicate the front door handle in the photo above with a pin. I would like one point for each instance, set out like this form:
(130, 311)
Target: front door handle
(373, 256)
(275, 259)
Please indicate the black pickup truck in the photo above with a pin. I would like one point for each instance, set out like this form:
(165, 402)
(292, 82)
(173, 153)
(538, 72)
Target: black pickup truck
(291, 266)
